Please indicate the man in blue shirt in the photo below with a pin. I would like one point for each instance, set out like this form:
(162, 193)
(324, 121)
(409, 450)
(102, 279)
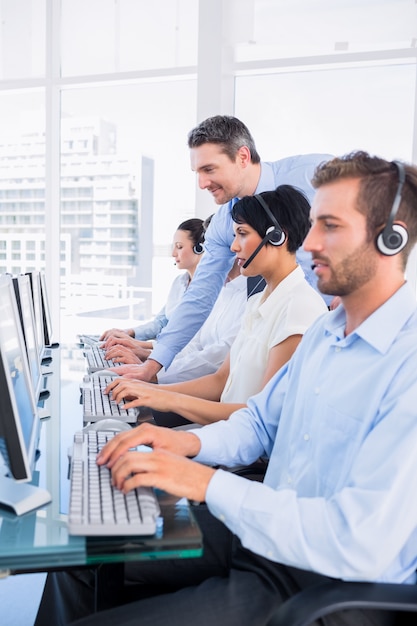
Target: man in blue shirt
(338, 423)
(227, 164)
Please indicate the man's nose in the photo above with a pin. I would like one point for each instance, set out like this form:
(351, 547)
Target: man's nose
(310, 242)
(203, 181)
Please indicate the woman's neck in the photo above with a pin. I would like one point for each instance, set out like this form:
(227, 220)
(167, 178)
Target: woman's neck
(286, 264)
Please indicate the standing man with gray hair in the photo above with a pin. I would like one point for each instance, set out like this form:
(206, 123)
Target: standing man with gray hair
(227, 164)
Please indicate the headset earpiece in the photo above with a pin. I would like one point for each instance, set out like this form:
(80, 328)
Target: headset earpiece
(394, 237)
(393, 241)
(276, 235)
(198, 248)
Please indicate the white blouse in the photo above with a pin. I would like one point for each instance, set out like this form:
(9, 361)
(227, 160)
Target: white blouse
(289, 310)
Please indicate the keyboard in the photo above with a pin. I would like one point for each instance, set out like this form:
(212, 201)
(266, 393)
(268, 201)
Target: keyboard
(97, 508)
(96, 360)
(97, 405)
(89, 340)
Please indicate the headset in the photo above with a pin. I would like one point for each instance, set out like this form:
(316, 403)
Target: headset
(393, 238)
(274, 234)
(198, 248)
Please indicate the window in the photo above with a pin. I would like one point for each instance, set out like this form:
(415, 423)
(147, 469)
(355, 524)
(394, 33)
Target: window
(93, 145)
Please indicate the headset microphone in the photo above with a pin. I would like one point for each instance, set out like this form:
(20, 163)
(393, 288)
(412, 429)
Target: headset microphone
(394, 237)
(261, 245)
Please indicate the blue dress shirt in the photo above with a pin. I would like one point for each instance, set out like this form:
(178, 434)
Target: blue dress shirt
(339, 423)
(218, 258)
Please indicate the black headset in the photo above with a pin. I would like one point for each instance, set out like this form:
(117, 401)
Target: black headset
(198, 248)
(393, 238)
(274, 234)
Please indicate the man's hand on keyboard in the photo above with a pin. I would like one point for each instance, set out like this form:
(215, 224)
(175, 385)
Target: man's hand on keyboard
(165, 467)
(161, 469)
(183, 443)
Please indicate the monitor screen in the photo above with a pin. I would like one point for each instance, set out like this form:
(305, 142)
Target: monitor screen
(47, 321)
(37, 308)
(19, 421)
(24, 302)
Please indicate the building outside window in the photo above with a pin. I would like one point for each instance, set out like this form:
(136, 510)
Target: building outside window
(94, 164)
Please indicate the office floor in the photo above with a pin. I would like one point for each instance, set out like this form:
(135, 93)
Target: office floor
(19, 598)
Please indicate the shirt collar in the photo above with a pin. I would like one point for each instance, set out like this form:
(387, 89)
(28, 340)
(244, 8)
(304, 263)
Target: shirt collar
(279, 294)
(382, 327)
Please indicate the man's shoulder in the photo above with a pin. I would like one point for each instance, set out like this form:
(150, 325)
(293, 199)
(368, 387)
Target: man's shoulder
(298, 161)
(295, 170)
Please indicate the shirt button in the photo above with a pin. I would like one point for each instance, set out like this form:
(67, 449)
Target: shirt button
(289, 480)
(222, 518)
(270, 554)
(317, 390)
(338, 348)
(306, 437)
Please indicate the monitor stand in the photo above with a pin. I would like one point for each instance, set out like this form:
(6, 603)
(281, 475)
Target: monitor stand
(22, 497)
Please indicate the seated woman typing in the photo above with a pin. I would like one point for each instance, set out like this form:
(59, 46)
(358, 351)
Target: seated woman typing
(268, 230)
(133, 345)
(210, 346)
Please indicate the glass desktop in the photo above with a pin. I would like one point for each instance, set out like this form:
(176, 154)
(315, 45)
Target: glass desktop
(39, 540)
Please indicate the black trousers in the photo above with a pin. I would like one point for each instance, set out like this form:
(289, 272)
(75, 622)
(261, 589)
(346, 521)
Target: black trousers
(227, 586)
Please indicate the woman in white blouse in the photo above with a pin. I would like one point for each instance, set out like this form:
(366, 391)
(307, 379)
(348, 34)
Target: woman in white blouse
(269, 228)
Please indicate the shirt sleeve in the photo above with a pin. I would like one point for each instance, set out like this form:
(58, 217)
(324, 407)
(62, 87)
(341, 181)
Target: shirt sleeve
(365, 530)
(205, 353)
(151, 329)
(201, 295)
(195, 363)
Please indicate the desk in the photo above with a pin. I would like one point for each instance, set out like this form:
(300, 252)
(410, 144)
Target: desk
(39, 541)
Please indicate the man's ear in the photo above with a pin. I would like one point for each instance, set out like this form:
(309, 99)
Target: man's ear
(243, 156)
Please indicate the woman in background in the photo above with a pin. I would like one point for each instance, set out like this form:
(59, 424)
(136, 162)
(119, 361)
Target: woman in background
(133, 345)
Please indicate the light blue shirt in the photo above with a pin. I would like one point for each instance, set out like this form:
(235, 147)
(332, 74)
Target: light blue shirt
(150, 330)
(218, 258)
(339, 496)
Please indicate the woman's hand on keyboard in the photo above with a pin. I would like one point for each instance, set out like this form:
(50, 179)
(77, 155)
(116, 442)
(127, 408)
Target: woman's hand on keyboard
(121, 354)
(116, 332)
(138, 393)
(131, 371)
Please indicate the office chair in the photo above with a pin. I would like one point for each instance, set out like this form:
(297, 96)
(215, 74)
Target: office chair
(328, 597)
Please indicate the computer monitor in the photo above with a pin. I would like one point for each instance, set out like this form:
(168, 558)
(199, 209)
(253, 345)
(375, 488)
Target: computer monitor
(19, 420)
(24, 303)
(46, 312)
(37, 308)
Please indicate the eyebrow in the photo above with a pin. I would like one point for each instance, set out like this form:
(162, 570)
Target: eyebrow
(328, 216)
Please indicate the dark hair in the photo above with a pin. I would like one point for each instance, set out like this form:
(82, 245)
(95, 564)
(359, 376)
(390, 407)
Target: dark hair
(377, 189)
(288, 205)
(194, 227)
(226, 131)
